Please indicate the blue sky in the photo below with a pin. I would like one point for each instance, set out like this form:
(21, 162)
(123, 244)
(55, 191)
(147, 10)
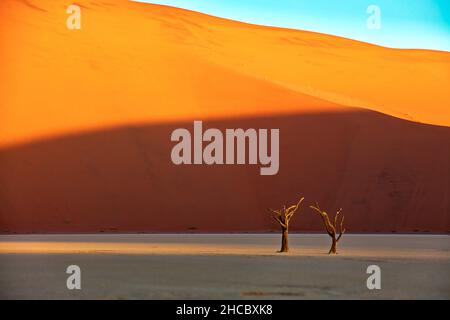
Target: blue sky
(404, 23)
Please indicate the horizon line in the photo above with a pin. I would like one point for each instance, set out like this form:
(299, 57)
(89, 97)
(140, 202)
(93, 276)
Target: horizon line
(282, 27)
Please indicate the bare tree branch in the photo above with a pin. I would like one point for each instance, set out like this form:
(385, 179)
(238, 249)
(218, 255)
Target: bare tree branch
(292, 209)
(280, 222)
(277, 212)
(328, 226)
(283, 216)
(317, 209)
(336, 217)
(342, 229)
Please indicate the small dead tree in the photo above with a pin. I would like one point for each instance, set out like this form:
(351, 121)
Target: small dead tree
(283, 217)
(331, 228)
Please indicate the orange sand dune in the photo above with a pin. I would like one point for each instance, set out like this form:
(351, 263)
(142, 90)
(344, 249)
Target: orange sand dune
(133, 62)
(86, 116)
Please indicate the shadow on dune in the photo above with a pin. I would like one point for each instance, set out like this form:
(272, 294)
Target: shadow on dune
(389, 175)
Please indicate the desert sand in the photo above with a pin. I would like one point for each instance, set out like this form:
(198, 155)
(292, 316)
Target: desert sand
(233, 266)
(86, 117)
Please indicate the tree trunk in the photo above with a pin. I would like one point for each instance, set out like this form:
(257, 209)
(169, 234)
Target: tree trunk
(284, 241)
(333, 246)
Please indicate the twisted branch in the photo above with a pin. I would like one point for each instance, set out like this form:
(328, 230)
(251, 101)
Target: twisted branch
(283, 216)
(342, 229)
(328, 226)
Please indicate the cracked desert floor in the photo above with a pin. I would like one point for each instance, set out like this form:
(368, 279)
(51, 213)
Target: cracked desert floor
(223, 266)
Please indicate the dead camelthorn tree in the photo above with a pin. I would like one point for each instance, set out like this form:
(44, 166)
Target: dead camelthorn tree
(283, 216)
(331, 229)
